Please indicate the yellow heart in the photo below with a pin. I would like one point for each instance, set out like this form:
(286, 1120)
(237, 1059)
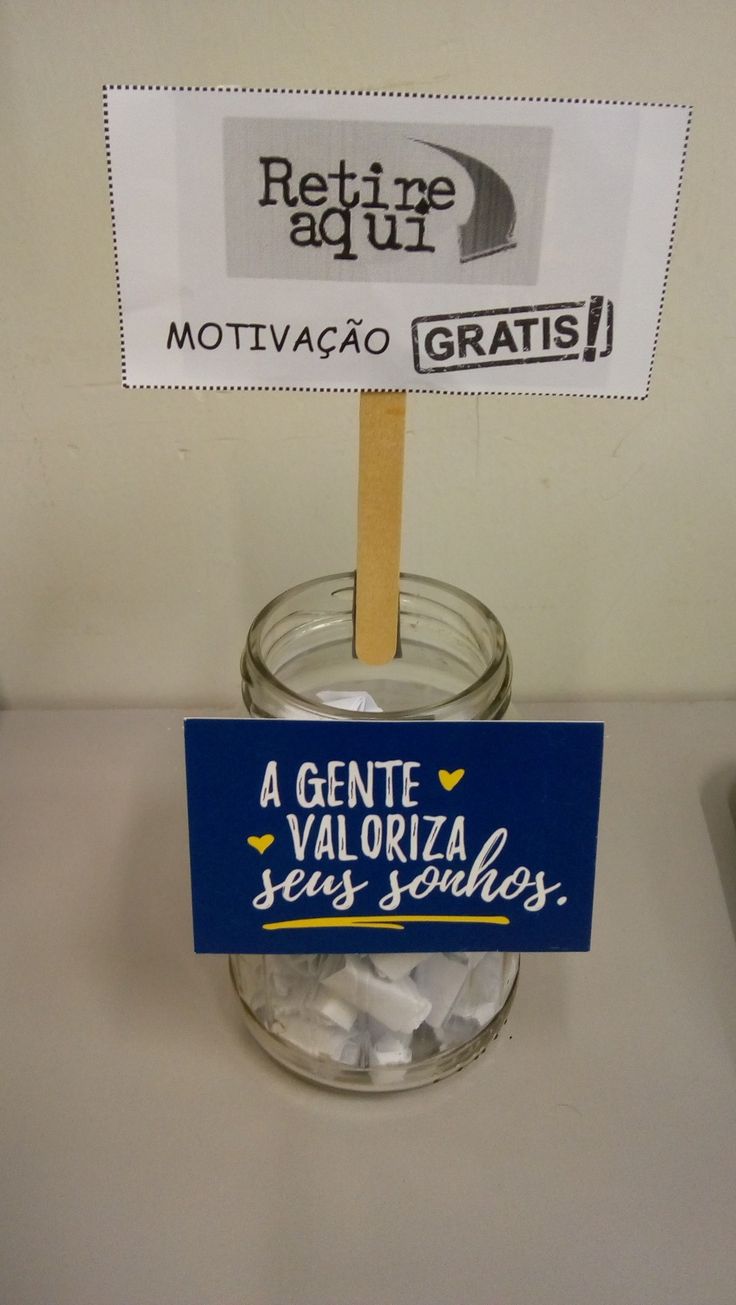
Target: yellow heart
(262, 842)
(449, 778)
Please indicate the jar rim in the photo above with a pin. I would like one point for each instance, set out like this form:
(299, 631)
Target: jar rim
(253, 649)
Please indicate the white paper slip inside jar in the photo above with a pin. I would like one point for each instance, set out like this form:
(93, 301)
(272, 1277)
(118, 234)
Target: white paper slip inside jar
(396, 965)
(396, 1003)
(440, 978)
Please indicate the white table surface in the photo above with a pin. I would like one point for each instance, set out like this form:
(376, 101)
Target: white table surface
(153, 1155)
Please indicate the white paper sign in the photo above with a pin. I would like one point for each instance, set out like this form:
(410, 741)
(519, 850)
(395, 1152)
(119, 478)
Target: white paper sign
(346, 241)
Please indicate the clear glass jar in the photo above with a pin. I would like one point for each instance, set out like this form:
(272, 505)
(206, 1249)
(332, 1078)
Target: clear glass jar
(318, 1015)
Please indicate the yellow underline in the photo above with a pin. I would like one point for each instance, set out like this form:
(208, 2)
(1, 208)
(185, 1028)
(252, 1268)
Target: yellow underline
(384, 921)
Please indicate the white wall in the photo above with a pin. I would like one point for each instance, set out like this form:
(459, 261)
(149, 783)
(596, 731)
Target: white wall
(140, 532)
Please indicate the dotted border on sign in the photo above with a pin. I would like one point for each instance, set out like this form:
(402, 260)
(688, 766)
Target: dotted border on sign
(394, 95)
(116, 257)
(386, 389)
(397, 95)
(671, 246)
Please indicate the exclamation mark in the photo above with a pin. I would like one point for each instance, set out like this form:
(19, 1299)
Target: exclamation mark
(595, 309)
(609, 331)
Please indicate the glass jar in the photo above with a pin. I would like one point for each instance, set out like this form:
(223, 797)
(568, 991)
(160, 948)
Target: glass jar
(376, 1022)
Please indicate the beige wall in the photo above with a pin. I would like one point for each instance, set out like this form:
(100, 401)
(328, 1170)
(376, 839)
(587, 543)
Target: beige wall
(140, 532)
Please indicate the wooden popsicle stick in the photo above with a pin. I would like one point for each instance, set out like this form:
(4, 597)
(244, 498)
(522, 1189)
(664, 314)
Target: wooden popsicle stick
(380, 488)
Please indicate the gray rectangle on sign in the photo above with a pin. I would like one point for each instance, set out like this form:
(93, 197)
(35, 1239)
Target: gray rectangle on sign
(338, 201)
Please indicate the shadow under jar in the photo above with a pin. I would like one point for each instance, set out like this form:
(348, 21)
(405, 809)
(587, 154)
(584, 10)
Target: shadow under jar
(376, 1022)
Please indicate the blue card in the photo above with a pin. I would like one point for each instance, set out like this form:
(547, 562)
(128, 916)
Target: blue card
(332, 836)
